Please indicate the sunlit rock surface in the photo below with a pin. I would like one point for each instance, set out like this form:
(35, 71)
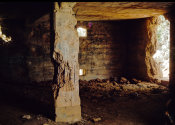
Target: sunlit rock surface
(163, 43)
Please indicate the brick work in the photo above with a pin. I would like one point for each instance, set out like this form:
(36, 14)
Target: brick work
(102, 53)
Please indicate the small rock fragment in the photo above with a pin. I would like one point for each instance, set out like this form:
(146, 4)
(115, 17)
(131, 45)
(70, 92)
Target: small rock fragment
(123, 80)
(99, 80)
(26, 117)
(96, 119)
(39, 117)
(49, 120)
(107, 81)
(116, 79)
(128, 82)
(115, 83)
(134, 81)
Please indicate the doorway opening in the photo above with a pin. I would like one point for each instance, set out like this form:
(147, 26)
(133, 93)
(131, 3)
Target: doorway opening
(161, 56)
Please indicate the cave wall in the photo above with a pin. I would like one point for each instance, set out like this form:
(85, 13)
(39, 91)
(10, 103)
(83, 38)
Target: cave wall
(27, 57)
(141, 46)
(114, 48)
(111, 48)
(39, 59)
(153, 68)
(102, 53)
(26, 67)
(12, 54)
(136, 40)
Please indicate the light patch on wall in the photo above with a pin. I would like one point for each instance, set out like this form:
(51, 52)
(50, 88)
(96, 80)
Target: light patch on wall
(4, 37)
(81, 72)
(82, 32)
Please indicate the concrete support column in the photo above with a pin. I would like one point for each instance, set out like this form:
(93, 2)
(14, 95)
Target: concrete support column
(65, 54)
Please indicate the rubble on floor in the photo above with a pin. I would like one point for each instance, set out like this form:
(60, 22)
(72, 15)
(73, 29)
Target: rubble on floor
(119, 87)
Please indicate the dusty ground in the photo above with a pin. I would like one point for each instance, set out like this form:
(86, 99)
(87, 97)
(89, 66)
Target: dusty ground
(107, 102)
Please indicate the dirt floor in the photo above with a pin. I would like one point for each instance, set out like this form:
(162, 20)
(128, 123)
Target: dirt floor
(103, 103)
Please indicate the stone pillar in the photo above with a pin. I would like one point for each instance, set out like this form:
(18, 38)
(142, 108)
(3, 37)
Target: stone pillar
(65, 54)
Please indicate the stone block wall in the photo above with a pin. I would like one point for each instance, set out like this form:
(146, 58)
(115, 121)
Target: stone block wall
(103, 52)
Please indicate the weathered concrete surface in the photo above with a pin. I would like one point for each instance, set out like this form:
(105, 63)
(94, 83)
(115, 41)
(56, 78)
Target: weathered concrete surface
(93, 11)
(66, 48)
(103, 52)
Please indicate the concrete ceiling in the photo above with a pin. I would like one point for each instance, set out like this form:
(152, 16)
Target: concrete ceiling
(93, 11)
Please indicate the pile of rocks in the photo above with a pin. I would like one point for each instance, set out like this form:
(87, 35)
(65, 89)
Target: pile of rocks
(118, 87)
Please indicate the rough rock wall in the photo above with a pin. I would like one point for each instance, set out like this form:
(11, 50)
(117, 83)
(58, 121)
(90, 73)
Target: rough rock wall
(141, 46)
(153, 69)
(12, 54)
(94, 11)
(103, 52)
(27, 57)
(137, 39)
(25, 62)
(65, 55)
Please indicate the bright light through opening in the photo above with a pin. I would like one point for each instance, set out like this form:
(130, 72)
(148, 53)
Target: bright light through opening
(4, 37)
(82, 32)
(163, 44)
(81, 72)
